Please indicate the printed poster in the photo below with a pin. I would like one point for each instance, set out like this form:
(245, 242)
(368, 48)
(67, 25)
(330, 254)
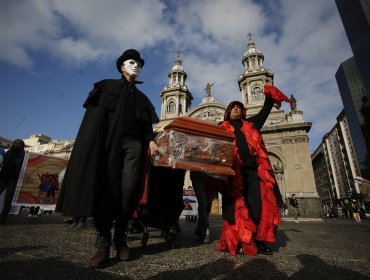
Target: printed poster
(190, 203)
(40, 180)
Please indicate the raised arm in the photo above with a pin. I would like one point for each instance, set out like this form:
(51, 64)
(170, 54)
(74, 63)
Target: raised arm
(273, 95)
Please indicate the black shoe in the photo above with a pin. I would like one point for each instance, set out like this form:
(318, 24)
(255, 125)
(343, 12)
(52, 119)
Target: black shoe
(3, 220)
(177, 227)
(240, 250)
(123, 253)
(201, 236)
(100, 259)
(207, 239)
(262, 248)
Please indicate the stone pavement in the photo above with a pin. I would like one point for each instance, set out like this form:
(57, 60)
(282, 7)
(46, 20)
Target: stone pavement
(47, 248)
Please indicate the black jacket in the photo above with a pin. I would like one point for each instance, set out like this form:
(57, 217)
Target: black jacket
(293, 202)
(94, 166)
(12, 164)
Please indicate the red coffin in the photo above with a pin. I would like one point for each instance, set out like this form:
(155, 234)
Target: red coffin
(196, 145)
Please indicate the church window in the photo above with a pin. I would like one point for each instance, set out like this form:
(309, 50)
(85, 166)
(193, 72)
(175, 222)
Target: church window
(171, 107)
(257, 93)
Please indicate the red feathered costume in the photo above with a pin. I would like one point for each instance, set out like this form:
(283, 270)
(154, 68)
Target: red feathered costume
(251, 193)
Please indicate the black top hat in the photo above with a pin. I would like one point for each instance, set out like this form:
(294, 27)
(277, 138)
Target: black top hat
(129, 54)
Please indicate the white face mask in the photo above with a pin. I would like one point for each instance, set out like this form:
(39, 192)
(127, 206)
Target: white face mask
(132, 67)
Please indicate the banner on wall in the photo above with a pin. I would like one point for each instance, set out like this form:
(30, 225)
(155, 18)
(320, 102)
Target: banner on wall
(40, 180)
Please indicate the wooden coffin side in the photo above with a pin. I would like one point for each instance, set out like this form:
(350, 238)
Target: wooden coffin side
(199, 128)
(193, 152)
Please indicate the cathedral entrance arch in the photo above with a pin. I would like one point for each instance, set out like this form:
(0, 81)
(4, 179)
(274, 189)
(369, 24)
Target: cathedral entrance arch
(277, 163)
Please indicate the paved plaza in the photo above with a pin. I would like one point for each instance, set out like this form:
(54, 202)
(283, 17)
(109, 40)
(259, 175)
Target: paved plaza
(47, 248)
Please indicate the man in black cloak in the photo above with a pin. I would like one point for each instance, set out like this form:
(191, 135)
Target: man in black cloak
(103, 174)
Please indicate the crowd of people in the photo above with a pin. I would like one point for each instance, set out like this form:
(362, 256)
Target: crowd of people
(109, 166)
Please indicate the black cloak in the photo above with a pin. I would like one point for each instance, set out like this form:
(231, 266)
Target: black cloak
(89, 183)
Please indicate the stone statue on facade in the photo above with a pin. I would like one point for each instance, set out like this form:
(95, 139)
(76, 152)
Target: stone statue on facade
(208, 89)
(293, 103)
(278, 168)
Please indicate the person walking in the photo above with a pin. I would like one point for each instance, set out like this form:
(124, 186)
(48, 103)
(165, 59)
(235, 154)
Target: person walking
(204, 197)
(34, 212)
(9, 174)
(295, 207)
(103, 173)
(356, 212)
(2, 154)
(79, 222)
(251, 198)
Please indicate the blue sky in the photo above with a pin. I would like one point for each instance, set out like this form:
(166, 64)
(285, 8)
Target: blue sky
(51, 53)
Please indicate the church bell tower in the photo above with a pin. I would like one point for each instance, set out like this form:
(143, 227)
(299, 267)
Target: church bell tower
(254, 77)
(176, 98)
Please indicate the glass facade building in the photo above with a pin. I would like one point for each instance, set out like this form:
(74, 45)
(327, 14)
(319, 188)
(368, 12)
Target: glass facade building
(353, 75)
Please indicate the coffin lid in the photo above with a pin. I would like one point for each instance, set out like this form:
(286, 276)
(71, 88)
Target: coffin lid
(200, 128)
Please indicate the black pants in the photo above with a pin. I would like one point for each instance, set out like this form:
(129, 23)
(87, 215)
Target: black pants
(8, 184)
(204, 203)
(252, 193)
(127, 200)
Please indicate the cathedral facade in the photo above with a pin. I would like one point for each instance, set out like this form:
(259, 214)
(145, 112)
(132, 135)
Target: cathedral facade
(285, 134)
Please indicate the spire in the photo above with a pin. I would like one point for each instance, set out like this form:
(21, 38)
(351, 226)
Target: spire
(177, 76)
(253, 58)
(254, 77)
(176, 97)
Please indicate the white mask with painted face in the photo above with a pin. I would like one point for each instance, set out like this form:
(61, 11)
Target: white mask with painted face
(132, 67)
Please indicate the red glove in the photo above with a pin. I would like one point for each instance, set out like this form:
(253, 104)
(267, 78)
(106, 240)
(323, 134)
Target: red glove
(276, 94)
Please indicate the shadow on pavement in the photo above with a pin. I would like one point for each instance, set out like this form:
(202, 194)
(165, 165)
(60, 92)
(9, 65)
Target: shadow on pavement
(315, 268)
(50, 268)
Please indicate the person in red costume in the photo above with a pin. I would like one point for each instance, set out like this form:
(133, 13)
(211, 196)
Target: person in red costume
(250, 201)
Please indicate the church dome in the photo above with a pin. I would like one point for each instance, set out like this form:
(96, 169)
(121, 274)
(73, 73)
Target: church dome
(177, 68)
(178, 65)
(252, 49)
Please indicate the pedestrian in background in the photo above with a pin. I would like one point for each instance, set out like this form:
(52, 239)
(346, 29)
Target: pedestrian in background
(356, 212)
(79, 222)
(2, 154)
(204, 197)
(34, 212)
(9, 174)
(295, 207)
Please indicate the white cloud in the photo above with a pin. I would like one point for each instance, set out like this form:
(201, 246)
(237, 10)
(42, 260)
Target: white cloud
(225, 21)
(24, 25)
(71, 50)
(135, 23)
(89, 30)
(303, 41)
